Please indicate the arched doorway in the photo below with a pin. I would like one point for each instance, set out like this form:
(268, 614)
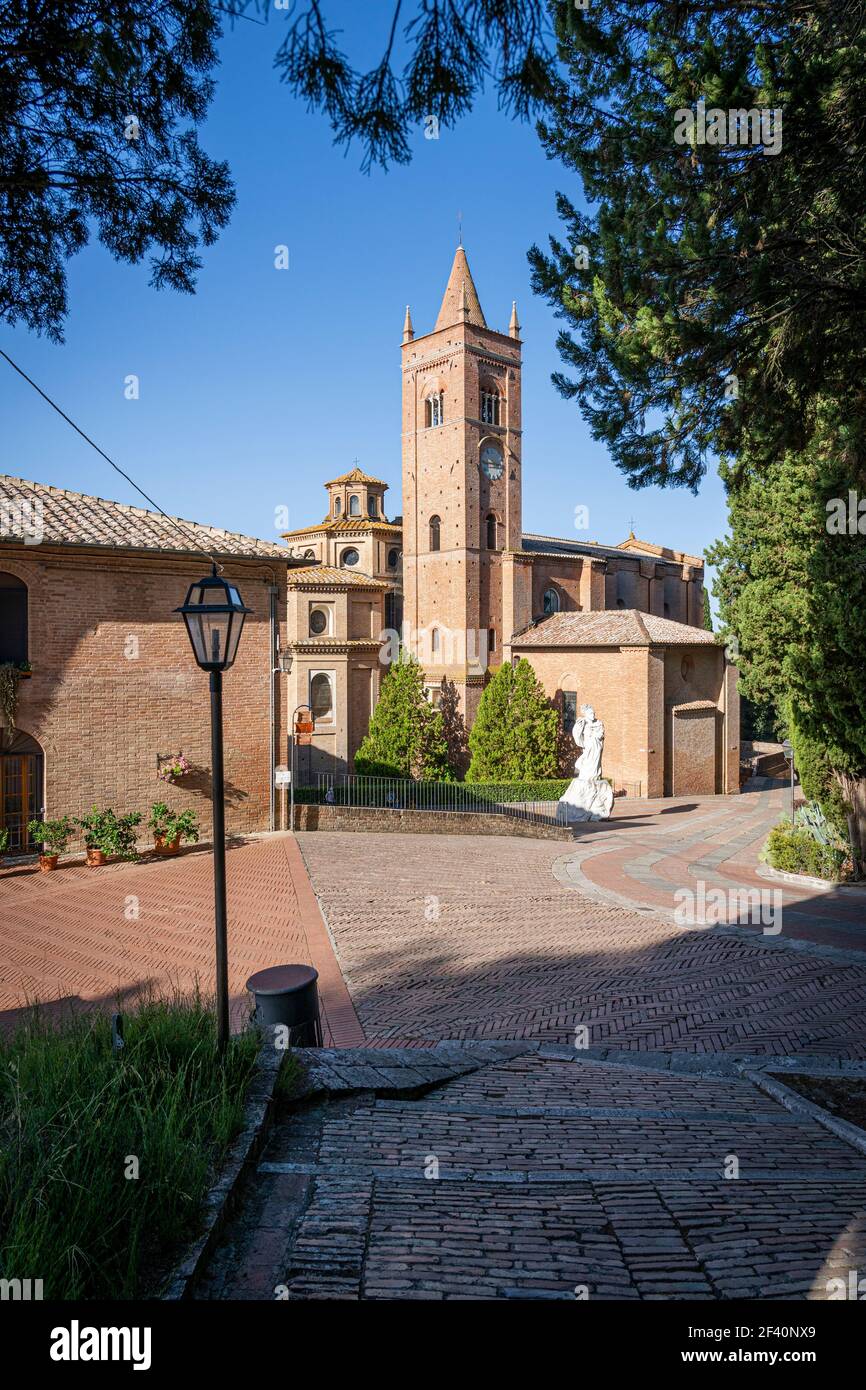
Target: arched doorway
(21, 771)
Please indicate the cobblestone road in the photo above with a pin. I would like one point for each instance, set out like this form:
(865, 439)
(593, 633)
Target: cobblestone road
(543, 1176)
(488, 937)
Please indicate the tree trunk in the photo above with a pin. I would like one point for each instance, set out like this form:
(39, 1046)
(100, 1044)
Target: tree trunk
(854, 791)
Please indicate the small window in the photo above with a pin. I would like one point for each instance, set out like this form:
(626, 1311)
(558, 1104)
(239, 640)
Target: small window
(350, 557)
(667, 610)
(435, 532)
(489, 407)
(372, 506)
(318, 621)
(354, 505)
(435, 409)
(434, 641)
(13, 619)
(569, 710)
(550, 602)
(338, 506)
(491, 639)
(491, 532)
(393, 558)
(321, 697)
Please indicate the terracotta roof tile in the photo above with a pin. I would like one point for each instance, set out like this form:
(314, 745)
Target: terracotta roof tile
(620, 627)
(322, 576)
(74, 518)
(356, 475)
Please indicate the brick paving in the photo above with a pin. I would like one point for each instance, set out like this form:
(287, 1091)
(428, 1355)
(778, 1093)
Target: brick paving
(81, 937)
(482, 937)
(542, 1175)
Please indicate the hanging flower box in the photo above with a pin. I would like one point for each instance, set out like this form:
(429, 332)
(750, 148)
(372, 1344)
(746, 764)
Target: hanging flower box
(173, 768)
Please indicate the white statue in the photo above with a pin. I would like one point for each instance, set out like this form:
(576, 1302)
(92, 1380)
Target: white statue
(588, 796)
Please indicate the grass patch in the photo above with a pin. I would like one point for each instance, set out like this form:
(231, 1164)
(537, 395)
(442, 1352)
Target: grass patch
(74, 1116)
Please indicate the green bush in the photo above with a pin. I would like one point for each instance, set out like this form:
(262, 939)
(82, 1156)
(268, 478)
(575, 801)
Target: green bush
(112, 834)
(52, 835)
(793, 850)
(4, 840)
(72, 1112)
(169, 825)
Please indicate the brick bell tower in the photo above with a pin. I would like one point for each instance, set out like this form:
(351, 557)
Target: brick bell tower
(461, 488)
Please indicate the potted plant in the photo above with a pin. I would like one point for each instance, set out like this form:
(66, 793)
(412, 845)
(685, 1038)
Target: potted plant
(52, 835)
(4, 842)
(107, 834)
(169, 828)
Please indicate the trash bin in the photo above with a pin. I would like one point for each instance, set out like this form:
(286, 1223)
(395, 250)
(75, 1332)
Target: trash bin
(287, 994)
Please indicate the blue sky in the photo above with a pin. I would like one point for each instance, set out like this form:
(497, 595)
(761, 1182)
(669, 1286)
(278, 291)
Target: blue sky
(266, 383)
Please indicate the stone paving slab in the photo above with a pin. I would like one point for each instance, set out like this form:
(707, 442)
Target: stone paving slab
(444, 1196)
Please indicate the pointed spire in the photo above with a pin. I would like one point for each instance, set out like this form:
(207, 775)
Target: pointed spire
(408, 330)
(460, 286)
(514, 326)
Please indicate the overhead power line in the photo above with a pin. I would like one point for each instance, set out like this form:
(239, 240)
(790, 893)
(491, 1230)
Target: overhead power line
(78, 430)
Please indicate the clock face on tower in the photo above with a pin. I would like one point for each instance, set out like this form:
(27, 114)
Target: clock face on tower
(491, 462)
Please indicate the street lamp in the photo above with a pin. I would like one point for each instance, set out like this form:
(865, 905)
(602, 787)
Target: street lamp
(788, 750)
(214, 614)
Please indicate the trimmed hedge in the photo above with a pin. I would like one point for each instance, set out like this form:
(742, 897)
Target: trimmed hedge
(794, 851)
(435, 795)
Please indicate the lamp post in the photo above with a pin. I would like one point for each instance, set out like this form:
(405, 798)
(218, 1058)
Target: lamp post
(788, 750)
(214, 614)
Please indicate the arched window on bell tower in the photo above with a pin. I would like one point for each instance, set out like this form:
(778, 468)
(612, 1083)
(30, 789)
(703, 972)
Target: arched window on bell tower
(435, 409)
(491, 531)
(435, 532)
(490, 407)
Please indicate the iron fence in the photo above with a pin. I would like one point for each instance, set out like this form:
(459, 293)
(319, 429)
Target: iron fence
(402, 794)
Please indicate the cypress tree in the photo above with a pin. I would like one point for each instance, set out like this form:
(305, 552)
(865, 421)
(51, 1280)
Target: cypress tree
(515, 736)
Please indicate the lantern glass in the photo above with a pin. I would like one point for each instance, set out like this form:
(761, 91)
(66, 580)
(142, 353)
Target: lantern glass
(214, 614)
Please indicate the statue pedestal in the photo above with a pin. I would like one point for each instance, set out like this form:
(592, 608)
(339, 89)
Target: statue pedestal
(586, 798)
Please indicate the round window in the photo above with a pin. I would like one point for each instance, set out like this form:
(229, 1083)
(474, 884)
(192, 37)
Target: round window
(350, 557)
(318, 622)
(393, 557)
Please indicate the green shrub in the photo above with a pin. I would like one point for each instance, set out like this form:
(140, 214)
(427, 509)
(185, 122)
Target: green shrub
(794, 850)
(72, 1112)
(4, 840)
(112, 834)
(177, 825)
(52, 835)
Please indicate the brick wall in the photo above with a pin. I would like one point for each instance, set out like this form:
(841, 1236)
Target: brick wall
(114, 683)
(368, 819)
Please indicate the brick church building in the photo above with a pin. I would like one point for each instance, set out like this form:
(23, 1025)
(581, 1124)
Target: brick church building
(619, 627)
(107, 690)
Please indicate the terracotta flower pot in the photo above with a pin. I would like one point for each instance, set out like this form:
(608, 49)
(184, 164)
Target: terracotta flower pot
(95, 857)
(48, 862)
(166, 847)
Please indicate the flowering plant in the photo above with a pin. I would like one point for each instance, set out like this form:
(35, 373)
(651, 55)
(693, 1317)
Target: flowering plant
(173, 768)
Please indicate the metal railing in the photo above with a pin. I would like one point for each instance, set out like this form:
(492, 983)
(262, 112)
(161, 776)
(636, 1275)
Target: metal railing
(402, 794)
